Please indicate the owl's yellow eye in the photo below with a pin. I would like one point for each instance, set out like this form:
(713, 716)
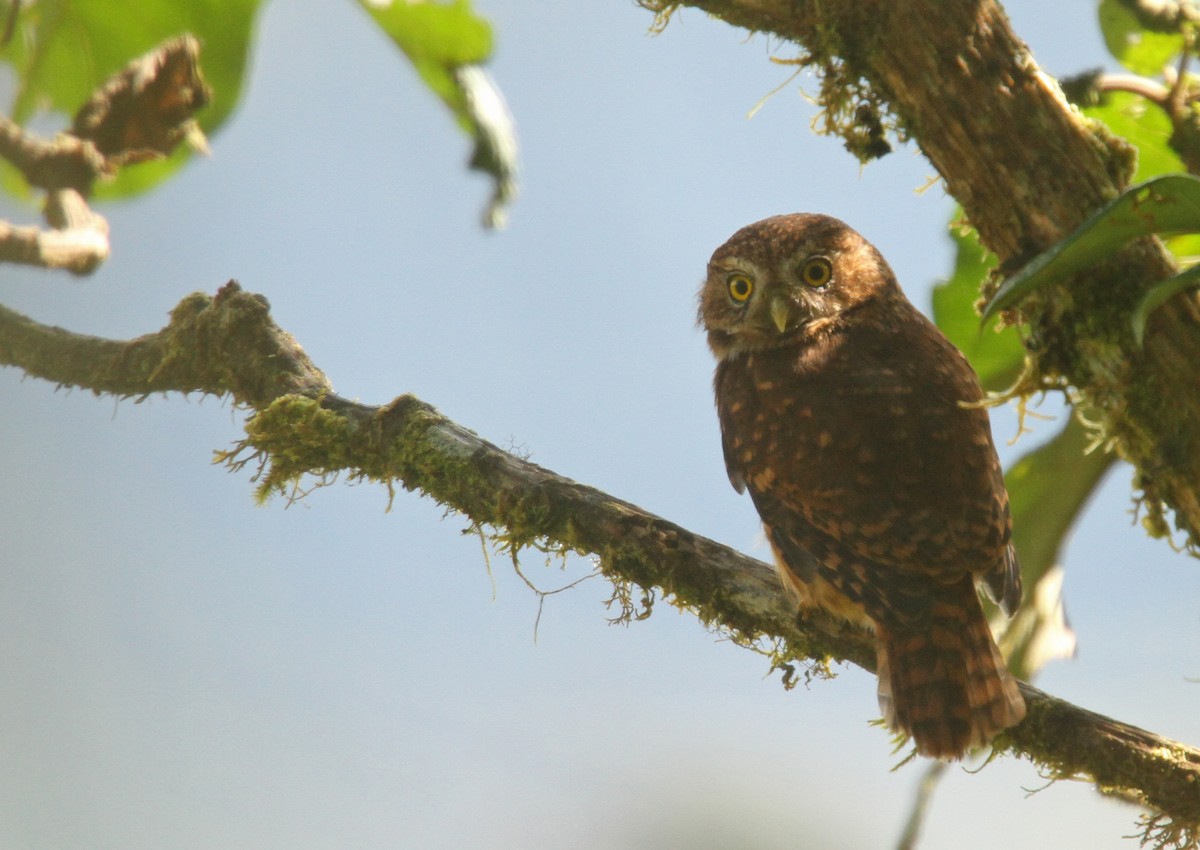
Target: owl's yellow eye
(816, 272)
(741, 288)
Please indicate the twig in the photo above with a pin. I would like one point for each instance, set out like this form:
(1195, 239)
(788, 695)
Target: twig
(65, 163)
(141, 113)
(10, 23)
(1144, 87)
(78, 241)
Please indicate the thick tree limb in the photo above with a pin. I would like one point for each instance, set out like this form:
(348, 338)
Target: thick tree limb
(228, 345)
(1027, 168)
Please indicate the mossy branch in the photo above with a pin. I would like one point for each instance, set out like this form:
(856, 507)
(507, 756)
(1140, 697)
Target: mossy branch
(1027, 168)
(229, 345)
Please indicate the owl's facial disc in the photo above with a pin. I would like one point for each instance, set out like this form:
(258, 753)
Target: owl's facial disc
(788, 279)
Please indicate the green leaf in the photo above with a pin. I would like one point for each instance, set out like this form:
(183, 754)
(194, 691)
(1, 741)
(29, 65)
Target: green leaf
(446, 42)
(1145, 126)
(436, 37)
(64, 49)
(996, 357)
(1167, 204)
(1135, 47)
(1047, 489)
(1185, 247)
(1158, 294)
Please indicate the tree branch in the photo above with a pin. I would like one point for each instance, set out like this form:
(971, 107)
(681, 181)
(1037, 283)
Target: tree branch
(228, 344)
(141, 113)
(68, 162)
(1027, 169)
(76, 242)
(66, 167)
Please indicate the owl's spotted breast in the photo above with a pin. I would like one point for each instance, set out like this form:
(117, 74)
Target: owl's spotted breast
(849, 418)
(858, 431)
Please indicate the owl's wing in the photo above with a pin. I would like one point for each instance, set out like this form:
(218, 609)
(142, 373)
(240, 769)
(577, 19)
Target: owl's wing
(848, 577)
(779, 523)
(865, 571)
(736, 476)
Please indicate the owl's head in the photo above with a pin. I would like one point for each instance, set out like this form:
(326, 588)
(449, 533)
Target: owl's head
(788, 277)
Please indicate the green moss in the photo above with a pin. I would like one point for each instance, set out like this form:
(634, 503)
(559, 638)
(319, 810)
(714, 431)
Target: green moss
(1120, 156)
(295, 436)
(297, 443)
(852, 109)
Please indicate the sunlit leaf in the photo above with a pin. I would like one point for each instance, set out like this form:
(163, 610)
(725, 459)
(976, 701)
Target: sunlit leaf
(1167, 204)
(63, 49)
(447, 42)
(437, 38)
(1145, 126)
(1138, 49)
(1047, 489)
(1186, 248)
(996, 357)
(495, 136)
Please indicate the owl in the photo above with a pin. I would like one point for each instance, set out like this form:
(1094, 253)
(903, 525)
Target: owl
(854, 424)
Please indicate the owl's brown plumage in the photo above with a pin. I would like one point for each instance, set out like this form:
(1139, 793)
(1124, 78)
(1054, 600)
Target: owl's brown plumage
(842, 413)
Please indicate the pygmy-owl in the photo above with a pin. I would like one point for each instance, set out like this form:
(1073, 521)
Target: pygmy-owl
(855, 425)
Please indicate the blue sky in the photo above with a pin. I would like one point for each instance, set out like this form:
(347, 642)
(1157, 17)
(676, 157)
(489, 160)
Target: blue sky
(187, 669)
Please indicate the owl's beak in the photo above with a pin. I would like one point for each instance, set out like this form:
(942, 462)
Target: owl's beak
(781, 313)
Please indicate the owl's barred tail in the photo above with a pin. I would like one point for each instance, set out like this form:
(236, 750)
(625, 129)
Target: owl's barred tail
(946, 684)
